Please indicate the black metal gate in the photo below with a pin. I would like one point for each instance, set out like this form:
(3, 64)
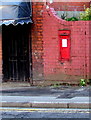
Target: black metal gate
(15, 44)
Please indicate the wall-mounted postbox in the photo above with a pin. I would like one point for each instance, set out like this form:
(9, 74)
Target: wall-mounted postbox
(64, 40)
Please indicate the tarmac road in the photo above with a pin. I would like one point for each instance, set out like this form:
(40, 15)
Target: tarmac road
(61, 92)
(83, 114)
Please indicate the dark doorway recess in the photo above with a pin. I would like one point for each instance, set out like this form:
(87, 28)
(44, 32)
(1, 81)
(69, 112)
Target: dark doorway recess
(16, 53)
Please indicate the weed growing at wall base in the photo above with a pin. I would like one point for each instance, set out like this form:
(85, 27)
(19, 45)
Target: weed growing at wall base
(82, 82)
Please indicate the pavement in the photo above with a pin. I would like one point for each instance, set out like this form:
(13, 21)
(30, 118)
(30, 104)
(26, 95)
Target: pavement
(24, 95)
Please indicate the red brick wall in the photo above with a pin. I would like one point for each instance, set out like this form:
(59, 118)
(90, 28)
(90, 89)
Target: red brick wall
(89, 52)
(45, 46)
(69, 6)
(37, 40)
(79, 64)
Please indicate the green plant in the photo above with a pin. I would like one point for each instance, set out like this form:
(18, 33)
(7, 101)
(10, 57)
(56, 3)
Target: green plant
(63, 16)
(82, 82)
(56, 85)
(72, 19)
(86, 15)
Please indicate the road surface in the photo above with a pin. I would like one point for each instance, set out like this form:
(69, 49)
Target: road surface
(44, 113)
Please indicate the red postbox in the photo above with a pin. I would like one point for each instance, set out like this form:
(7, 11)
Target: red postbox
(64, 38)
